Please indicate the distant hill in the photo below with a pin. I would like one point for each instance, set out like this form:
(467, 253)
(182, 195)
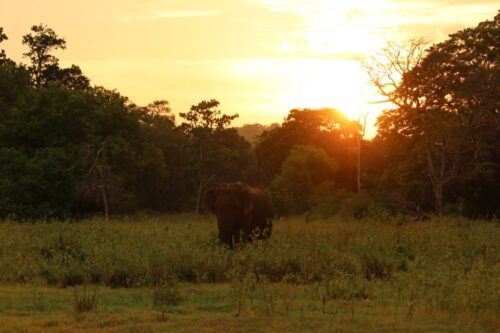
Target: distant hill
(251, 131)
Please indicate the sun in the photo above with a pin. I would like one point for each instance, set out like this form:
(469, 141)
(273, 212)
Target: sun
(323, 83)
(311, 83)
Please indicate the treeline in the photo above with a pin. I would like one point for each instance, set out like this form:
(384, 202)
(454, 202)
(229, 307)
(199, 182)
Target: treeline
(69, 149)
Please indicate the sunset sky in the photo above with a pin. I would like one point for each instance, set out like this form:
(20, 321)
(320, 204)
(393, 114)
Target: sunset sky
(259, 58)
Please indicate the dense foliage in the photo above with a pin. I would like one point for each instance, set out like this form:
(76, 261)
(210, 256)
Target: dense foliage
(70, 149)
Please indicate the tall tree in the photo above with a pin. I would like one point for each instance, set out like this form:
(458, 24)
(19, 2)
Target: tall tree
(206, 116)
(158, 110)
(206, 125)
(459, 80)
(3, 37)
(42, 41)
(445, 100)
(159, 131)
(98, 181)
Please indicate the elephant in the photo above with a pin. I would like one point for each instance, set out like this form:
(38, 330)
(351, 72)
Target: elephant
(244, 213)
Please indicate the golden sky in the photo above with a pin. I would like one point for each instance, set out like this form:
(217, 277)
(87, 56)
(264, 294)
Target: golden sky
(259, 58)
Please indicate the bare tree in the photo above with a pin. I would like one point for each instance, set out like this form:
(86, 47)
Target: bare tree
(386, 69)
(98, 180)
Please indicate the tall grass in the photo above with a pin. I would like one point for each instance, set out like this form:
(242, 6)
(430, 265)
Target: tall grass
(448, 264)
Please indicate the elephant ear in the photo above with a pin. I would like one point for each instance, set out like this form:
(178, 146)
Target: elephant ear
(246, 200)
(210, 197)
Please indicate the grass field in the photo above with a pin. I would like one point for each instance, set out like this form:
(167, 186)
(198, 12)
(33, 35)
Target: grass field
(168, 274)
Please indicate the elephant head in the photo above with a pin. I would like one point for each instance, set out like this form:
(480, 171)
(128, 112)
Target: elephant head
(232, 205)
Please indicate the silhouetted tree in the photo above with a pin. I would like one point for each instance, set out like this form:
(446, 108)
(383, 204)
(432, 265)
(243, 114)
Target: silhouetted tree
(71, 78)
(159, 109)
(41, 42)
(328, 129)
(302, 173)
(174, 190)
(3, 37)
(205, 123)
(445, 100)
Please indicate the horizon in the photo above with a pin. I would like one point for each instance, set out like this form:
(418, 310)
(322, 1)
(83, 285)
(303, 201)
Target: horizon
(259, 58)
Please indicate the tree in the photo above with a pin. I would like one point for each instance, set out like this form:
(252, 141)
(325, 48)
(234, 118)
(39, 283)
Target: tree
(459, 82)
(445, 99)
(303, 172)
(44, 66)
(2, 52)
(388, 67)
(66, 153)
(71, 78)
(39, 134)
(159, 109)
(99, 179)
(160, 132)
(127, 168)
(386, 71)
(326, 128)
(207, 127)
(41, 42)
(206, 116)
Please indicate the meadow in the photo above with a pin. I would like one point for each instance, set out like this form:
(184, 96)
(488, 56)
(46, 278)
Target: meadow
(168, 274)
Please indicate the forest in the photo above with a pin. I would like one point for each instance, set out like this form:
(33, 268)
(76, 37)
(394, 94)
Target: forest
(70, 150)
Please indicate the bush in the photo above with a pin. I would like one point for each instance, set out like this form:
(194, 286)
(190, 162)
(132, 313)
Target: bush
(285, 203)
(328, 202)
(349, 205)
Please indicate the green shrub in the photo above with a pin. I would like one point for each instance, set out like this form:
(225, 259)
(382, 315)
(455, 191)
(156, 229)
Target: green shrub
(361, 206)
(328, 203)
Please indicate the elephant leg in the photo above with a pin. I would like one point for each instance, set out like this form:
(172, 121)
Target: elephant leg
(248, 230)
(226, 238)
